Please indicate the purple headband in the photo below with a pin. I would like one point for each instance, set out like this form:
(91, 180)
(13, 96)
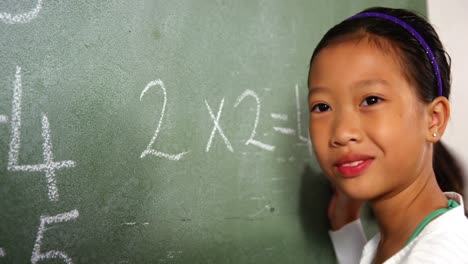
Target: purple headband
(415, 34)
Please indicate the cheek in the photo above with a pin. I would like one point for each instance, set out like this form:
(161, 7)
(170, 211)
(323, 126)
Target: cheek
(319, 133)
(384, 129)
(399, 135)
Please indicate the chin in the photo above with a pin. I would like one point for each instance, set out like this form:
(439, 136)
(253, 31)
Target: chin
(361, 196)
(363, 192)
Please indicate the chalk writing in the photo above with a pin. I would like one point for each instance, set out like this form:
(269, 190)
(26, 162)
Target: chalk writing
(298, 111)
(171, 255)
(149, 149)
(49, 166)
(251, 139)
(21, 18)
(3, 119)
(15, 120)
(53, 254)
(283, 117)
(282, 130)
(285, 130)
(2, 252)
(216, 127)
(263, 205)
(135, 223)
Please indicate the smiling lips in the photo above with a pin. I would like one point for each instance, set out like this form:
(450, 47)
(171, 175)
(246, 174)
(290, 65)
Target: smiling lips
(353, 165)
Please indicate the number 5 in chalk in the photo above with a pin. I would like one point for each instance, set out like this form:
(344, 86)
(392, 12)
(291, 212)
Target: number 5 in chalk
(21, 18)
(149, 149)
(37, 254)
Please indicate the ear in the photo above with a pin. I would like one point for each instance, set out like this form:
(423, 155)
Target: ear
(438, 112)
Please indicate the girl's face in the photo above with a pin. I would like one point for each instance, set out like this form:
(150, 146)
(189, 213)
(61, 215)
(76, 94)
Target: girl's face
(367, 126)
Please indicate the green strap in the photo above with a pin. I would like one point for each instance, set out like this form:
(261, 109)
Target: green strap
(450, 205)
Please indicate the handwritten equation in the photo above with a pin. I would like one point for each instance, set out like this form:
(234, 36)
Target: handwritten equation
(253, 140)
(48, 167)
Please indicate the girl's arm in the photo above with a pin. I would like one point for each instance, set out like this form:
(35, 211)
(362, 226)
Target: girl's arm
(348, 242)
(346, 232)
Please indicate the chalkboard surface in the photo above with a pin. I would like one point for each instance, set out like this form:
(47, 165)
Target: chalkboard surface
(161, 131)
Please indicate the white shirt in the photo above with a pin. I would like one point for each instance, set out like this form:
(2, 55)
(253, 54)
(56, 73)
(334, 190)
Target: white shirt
(443, 240)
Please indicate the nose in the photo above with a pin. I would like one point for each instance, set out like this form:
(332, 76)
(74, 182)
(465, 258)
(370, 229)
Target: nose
(346, 128)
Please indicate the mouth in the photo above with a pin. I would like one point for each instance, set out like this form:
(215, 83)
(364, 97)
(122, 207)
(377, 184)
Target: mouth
(355, 167)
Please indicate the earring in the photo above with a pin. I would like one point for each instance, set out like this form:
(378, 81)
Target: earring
(434, 134)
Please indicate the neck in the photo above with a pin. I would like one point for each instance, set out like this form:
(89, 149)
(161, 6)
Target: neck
(399, 214)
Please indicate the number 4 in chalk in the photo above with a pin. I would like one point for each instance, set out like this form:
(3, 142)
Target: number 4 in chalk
(149, 149)
(49, 166)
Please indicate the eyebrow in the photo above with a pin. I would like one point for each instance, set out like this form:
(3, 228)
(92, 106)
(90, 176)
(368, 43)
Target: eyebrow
(358, 84)
(370, 82)
(316, 90)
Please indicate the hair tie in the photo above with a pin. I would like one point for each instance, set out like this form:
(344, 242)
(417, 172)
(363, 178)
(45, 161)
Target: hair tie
(415, 34)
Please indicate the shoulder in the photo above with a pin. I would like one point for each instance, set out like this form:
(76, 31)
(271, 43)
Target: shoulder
(445, 240)
(447, 248)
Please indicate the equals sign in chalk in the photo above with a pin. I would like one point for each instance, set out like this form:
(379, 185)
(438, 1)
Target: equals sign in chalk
(3, 119)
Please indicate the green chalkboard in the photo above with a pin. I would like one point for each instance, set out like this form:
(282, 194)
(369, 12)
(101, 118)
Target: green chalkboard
(161, 131)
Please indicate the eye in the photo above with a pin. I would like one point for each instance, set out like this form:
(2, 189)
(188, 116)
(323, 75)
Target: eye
(371, 100)
(320, 107)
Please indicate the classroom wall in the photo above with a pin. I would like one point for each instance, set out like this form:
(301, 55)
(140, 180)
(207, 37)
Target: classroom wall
(449, 19)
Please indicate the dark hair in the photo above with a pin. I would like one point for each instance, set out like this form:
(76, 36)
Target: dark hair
(416, 66)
